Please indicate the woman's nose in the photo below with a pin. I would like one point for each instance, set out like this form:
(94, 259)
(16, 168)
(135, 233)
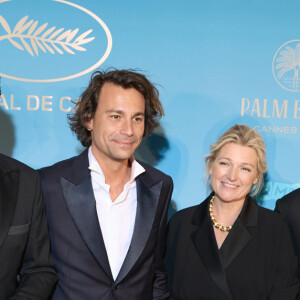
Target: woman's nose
(232, 173)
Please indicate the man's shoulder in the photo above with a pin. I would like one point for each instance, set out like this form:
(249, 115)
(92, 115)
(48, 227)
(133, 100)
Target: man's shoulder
(63, 165)
(60, 165)
(153, 171)
(8, 164)
(153, 175)
(292, 199)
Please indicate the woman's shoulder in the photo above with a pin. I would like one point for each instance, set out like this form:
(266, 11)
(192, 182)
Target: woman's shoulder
(269, 218)
(186, 215)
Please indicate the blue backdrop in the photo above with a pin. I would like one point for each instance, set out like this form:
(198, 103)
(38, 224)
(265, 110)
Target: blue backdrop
(217, 63)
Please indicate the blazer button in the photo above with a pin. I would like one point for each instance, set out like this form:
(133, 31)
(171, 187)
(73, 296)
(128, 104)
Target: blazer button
(115, 287)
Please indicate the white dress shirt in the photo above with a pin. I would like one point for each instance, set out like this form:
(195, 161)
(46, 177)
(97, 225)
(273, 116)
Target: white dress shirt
(116, 218)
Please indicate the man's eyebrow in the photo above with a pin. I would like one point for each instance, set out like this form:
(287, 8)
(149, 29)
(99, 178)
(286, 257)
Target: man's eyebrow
(139, 114)
(121, 112)
(115, 111)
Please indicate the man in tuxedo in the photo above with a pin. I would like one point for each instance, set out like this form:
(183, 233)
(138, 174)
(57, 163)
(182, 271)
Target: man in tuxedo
(289, 208)
(107, 212)
(26, 269)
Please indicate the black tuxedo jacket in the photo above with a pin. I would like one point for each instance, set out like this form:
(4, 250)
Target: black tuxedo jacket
(289, 208)
(26, 270)
(77, 245)
(256, 260)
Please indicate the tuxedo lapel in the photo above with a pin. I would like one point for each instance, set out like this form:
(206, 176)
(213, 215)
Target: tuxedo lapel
(9, 184)
(239, 235)
(80, 200)
(147, 200)
(207, 248)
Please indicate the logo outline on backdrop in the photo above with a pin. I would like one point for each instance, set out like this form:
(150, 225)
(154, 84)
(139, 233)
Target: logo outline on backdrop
(65, 39)
(286, 66)
(43, 38)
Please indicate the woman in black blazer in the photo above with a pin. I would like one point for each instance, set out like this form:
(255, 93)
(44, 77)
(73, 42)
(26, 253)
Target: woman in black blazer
(228, 247)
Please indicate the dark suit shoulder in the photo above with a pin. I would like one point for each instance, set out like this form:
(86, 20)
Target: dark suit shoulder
(190, 214)
(267, 213)
(155, 173)
(291, 200)
(152, 170)
(59, 167)
(8, 164)
(73, 169)
(271, 221)
(185, 213)
(183, 218)
(288, 207)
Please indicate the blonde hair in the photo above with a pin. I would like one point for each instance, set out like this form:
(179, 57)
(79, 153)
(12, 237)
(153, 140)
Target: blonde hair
(245, 136)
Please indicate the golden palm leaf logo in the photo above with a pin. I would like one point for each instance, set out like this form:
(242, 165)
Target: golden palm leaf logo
(46, 45)
(27, 35)
(286, 66)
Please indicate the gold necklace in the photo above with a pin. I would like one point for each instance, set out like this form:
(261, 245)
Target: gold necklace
(213, 219)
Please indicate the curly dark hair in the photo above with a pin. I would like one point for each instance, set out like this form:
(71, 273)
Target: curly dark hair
(86, 105)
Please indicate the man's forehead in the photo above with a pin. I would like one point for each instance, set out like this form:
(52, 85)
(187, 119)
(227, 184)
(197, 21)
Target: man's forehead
(109, 87)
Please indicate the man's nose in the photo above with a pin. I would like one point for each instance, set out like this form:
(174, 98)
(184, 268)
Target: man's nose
(127, 127)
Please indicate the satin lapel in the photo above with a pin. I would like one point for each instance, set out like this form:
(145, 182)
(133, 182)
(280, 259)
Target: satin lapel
(9, 185)
(147, 200)
(235, 242)
(207, 248)
(82, 207)
(239, 235)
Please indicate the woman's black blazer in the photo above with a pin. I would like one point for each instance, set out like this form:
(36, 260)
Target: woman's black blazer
(255, 262)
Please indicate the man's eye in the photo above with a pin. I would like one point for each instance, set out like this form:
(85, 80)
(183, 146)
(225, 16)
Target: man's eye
(115, 116)
(138, 119)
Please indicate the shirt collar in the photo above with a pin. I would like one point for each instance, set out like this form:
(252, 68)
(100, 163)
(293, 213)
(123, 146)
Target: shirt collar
(136, 168)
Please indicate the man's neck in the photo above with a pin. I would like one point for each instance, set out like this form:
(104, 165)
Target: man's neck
(116, 174)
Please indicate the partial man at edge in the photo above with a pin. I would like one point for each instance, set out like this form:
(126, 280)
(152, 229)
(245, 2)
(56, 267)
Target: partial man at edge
(27, 271)
(107, 212)
(289, 208)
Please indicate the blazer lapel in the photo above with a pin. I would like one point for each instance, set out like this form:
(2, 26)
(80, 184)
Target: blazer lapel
(239, 236)
(9, 183)
(147, 200)
(207, 248)
(80, 200)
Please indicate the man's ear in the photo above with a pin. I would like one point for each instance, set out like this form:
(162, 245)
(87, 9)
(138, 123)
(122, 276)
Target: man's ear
(89, 125)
